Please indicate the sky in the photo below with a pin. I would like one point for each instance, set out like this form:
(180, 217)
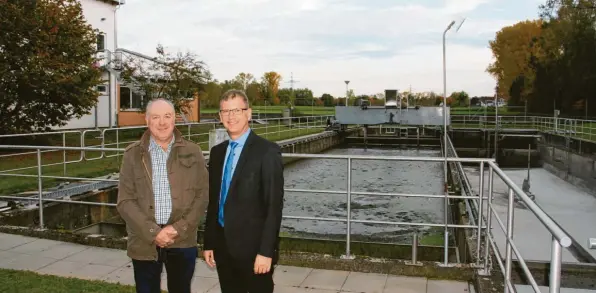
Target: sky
(375, 44)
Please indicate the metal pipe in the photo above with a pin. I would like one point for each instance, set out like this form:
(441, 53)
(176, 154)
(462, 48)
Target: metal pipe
(509, 238)
(555, 267)
(103, 204)
(480, 212)
(412, 195)
(349, 208)
(63, 154)
(313, 156)
(489, 217)
(414, 250)
(63, 177)
(40, 189)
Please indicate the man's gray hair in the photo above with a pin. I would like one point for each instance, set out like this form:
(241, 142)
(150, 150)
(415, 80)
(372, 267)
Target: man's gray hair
(156, 100)
(234, 93)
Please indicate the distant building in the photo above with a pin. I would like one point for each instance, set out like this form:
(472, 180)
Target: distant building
(101, 15)
(118, 104)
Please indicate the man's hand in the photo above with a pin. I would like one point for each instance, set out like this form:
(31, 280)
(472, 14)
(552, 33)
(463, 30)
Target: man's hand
(262, 264)
(166, 236)
(169, 229)
(209, 259)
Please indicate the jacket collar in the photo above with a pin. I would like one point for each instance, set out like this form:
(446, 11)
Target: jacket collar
(144, 142)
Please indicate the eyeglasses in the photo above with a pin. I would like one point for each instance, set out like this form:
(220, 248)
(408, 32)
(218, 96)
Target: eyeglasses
(232, 111)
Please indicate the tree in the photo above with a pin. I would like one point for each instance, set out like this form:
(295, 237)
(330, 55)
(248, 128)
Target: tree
(253, 91)
(270, 85)
(285, 96)
(244, 79)
(178, 78)
(567, 74)
(211, 94)
(460, 98)
(327, 100)
(303, 97)
(47, 65)
(512, 51)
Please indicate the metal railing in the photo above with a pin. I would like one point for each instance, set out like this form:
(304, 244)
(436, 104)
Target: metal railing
(577, 128)
(122, 136)
(559, 237)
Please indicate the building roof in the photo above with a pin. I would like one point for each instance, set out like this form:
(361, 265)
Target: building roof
(113, 2)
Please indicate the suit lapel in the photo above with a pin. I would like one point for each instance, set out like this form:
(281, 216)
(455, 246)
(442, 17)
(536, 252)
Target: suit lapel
(241, 161)
(221, 158)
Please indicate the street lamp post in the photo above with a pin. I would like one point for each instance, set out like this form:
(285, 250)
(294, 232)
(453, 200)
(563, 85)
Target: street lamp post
(445, 102)
(347, 81)
(446, 201)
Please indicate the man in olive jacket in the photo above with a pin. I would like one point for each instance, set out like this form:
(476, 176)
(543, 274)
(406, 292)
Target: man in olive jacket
(162, 195)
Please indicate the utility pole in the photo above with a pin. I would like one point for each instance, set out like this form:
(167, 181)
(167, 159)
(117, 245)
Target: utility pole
(292, 81)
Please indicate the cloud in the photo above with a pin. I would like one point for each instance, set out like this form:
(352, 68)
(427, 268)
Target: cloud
(375, 44)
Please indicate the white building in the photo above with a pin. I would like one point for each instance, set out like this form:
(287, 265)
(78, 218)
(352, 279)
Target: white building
(101, 15)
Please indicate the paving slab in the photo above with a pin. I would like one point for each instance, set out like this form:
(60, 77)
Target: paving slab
(36, 246)
(203, 270)
(14, 241)
(26, 262)
(62, 250)
(101, 256)
(124, 275)
(325, 279)
(290, 276)
(112, 265)
(365, 283)
(400, 284)
(445, 286)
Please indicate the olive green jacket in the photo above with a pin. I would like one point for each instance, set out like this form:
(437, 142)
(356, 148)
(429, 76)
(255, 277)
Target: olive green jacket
(189, 185)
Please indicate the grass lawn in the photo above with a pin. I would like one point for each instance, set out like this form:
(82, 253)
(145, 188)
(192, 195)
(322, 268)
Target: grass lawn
(29, 282)
(99, 167)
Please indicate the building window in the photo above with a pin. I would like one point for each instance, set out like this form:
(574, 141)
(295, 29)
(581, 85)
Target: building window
(102, 89)
(101, 42)
(130, 100)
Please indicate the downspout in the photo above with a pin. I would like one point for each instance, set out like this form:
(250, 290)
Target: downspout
(113, 90)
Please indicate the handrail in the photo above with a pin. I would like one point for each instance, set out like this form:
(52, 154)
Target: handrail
(191, 131)
(553, 228)
(348, 192)
(293, 155)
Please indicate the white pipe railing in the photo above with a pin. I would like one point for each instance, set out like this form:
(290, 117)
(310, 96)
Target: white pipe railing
(560, 237)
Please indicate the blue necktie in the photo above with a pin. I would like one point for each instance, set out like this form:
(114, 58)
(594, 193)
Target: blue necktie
(225, 183)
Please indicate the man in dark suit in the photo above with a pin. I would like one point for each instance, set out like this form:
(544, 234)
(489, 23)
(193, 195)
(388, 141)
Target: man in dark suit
(245, 202)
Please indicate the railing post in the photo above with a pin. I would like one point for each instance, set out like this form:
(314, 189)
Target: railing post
(480, 207)
(414, 261)
(489, 216)
(510, 208)
(555, 267)
(64, 154)
(39, 189)
(349, 210)
(117, 146)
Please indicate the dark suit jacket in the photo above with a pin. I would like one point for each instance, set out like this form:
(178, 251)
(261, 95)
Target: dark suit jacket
(253, 208)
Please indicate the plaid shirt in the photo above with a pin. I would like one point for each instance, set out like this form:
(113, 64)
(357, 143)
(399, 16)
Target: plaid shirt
(161, 184)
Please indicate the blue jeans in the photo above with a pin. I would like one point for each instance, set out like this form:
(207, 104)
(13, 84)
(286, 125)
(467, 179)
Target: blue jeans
(180, 267)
